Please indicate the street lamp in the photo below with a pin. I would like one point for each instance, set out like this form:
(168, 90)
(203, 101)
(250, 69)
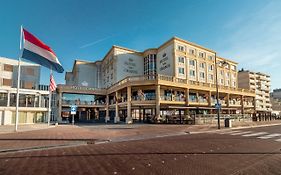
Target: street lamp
(218, 105)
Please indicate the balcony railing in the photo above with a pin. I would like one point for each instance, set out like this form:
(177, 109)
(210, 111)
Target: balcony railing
(72, 102)
(170, 98)
(178, 80)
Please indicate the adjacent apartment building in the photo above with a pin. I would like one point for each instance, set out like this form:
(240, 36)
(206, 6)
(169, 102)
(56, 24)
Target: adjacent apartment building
(260, 83)
(275, 99)
(33, 102)
(174, 79)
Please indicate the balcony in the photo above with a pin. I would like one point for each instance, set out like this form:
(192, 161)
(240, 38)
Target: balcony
(248, 104)
(177, 82)
(234, 102)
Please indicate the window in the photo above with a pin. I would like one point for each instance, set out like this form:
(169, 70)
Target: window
(234, 84)
(211, 77)
(28, 85)
(221, 81)
(227, 83)
(181, 59)
(181, 48)
(227, 74)
(192, 62)
(233, 67)
(221, 72)
(192, 51)
(227, 66)
(192, 73)
(201, 54)
(202, 75)
(211, 67)
(3, 99)
(210, 57)
(181, 70)
(202, 65)
(30, 71)
(8, 67)
(7, 82)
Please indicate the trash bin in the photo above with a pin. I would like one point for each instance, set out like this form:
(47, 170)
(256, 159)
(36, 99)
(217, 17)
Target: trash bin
(227, 123)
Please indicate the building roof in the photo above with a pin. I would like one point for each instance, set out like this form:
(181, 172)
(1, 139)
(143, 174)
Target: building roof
(15, 62)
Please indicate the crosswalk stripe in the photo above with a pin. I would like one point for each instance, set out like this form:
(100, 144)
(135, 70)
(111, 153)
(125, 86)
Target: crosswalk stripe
(241, 133)
(255, 134)
(229, 132)
(278, 140)
(269, 136)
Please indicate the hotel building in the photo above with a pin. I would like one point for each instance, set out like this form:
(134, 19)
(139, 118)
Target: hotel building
(33, 103)
(175, 79)
(260, 83)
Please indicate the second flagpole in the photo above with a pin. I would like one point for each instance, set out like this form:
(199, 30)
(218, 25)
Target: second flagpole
(50, 98)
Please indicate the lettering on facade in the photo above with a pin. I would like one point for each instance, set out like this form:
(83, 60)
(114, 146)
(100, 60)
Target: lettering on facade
(164, 63)
(130, 66)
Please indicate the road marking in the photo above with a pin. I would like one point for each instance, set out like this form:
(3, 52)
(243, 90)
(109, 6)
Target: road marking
(255, 134)
(241, 133)
(229, 132)
(278, 140)
(270, 136)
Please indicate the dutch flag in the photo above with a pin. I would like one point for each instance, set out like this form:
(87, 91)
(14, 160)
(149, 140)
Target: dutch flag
(38, 52)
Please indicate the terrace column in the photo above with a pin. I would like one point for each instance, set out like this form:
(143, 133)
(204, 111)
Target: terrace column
(116, 118)
(227, 98)
(186, 101)
(107, 109)
(210, 99)
(129, 110)
(242, 104)
(186, 96)
(8, 99)
(157, 109)
(59, 119)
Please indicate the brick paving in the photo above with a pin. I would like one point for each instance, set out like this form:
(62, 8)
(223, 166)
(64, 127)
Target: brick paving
(69, 135)
(189, 154)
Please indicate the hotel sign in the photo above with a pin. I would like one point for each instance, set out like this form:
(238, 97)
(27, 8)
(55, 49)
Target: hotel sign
(164, 64)
(77, 88)
(130, 66)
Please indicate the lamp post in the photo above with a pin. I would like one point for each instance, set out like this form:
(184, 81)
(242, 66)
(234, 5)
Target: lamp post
(218, 105)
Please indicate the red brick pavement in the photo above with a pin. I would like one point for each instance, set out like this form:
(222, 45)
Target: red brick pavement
(189, 154)
(67, 134)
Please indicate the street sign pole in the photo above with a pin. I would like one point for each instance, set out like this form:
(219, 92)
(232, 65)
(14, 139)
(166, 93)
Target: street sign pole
(73, 112)
(72, 119)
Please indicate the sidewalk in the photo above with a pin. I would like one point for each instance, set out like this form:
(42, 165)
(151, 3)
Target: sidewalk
(42, 137)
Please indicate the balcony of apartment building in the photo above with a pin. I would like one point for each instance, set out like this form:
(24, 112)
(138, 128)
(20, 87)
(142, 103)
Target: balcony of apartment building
(172, 96)
(222, 100)
(248, 102)
(234, 101)
(198, 98)
(145, 95)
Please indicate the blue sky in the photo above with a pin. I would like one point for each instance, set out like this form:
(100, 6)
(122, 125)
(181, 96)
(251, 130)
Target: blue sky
(245, 31)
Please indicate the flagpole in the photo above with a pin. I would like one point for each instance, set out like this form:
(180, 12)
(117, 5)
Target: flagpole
(18, 83)
(50, 98)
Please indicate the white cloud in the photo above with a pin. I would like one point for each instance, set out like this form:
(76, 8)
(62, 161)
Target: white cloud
(95, 42)
(255, 41)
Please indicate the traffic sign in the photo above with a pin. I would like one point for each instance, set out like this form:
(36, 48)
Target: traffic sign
(73, 109)
(218, 106)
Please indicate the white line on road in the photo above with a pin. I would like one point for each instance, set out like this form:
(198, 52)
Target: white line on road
(229, 132)
(241, 133)
(255, 134)
(278, 140)
(270, 136)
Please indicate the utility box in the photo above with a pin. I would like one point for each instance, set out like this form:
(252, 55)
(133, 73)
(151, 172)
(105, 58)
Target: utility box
(227, 123)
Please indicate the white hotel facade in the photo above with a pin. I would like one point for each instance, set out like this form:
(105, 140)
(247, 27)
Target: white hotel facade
(168, 83)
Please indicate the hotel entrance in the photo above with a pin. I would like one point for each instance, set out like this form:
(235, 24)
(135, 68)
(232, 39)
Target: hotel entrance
(85, 115)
